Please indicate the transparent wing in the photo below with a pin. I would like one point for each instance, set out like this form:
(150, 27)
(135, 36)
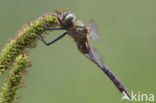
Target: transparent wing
(94, 56)
(94, 33)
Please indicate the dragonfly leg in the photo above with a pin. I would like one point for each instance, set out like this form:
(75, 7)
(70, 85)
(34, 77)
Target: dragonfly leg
(42, 39)
(60, 28)
(47, 44)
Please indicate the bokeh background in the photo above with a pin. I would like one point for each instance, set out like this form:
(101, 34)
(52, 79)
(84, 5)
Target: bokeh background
(60, 74)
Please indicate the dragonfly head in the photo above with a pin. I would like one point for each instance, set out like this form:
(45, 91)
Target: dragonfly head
(68, 19)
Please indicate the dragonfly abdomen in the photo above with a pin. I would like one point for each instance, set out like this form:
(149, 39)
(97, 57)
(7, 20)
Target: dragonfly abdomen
(114, 79)
(112, 76)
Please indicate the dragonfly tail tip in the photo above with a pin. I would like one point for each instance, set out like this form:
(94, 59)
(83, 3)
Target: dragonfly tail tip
(127, 94)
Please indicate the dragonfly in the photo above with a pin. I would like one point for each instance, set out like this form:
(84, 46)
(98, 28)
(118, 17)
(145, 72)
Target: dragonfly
(80, 34)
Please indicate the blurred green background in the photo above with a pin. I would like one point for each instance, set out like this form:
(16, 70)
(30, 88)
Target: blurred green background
(60, 74)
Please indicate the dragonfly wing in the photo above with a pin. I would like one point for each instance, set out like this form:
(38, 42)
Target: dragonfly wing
(93, 31)
(94, 56)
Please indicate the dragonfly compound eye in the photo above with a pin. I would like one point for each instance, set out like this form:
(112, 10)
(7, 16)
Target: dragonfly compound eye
(69, 18)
